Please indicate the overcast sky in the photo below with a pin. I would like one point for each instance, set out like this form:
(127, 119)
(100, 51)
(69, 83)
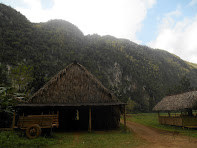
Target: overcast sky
(165, 24)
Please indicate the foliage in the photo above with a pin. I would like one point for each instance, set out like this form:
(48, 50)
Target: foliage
(22, 76)
(3, 76)
(7, 102)
(129, 70)
(11, 139)
(184, 85)
(130, 107)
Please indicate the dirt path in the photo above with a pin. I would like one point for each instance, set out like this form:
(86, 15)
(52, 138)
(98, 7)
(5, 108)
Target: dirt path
(161, 139)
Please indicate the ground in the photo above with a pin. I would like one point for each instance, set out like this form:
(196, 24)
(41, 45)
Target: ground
(139, 136)
(156, 138)
(143, 131)
(97, 139)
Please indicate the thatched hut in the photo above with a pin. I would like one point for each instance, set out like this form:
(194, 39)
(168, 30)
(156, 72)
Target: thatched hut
(184, 103)
(82, 101)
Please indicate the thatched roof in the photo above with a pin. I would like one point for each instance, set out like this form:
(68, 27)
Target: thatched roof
(182, 101)
(73, 86)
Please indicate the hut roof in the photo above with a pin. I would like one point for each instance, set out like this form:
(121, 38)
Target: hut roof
(73, 86)
(182, 101)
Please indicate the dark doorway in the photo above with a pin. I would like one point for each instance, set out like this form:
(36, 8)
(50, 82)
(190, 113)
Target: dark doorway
(73, 118)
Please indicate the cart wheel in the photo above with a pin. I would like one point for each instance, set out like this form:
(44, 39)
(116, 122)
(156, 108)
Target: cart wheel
(33, 131)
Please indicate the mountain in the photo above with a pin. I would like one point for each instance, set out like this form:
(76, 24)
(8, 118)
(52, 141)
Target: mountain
(31, 53)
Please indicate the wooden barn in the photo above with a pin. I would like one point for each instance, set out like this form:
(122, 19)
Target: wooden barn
(182, 106)
(81, 100)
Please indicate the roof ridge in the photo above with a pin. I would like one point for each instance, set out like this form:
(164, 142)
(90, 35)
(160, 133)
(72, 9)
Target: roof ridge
(65, 80)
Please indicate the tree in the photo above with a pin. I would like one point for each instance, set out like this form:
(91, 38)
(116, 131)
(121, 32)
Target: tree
(184, 85)
(7, 102)
(130, 107)
(3, 76)
(21, 77)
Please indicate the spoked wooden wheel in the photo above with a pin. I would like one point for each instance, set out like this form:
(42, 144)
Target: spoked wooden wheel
(33, 131)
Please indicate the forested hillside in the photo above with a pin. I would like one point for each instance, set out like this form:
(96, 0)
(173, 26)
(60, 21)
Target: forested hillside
(31, 53)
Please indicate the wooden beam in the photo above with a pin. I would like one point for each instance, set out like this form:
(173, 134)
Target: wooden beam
(90, 120)
(13, 120)
(158, 114)
(125, 126)
(22, 120)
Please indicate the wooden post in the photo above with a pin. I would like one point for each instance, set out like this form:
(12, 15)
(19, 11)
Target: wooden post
(41, 119)
(159, 117)
(169, 114)
(13, 120)
(58, 118)
(125, 127)
(23, 120)
(190, 112)
(90, 120)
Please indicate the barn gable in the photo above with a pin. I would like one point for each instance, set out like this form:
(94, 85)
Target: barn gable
(74, 85)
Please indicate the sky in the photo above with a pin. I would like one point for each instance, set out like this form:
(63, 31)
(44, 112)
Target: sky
(170, 25)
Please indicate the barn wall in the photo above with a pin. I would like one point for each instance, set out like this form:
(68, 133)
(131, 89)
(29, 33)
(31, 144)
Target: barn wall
(178, 121)
(103, 117)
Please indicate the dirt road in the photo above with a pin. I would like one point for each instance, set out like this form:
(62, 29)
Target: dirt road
(161, 139)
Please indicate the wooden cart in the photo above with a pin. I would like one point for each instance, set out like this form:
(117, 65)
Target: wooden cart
(32, 124)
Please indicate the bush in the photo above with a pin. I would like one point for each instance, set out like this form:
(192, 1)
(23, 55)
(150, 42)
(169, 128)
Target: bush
(7, 102)
(11, 139)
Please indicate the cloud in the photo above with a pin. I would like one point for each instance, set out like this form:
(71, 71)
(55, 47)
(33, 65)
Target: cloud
(47, 4)
(119, 18)
(192, 3)
(177, 37)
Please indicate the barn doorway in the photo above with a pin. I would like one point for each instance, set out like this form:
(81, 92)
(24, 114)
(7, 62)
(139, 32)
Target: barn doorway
(73, 118)
(77, 118)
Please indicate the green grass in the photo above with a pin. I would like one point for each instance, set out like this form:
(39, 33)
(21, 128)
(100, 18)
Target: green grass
(96, 139)
(12, 139)
(151, 119)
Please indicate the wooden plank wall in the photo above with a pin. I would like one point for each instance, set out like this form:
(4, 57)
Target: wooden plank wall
(178, 121)
(44, 121)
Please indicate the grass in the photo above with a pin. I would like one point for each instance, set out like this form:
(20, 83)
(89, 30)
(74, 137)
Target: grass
(151, 119)
(96, 139)
(12, 139)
